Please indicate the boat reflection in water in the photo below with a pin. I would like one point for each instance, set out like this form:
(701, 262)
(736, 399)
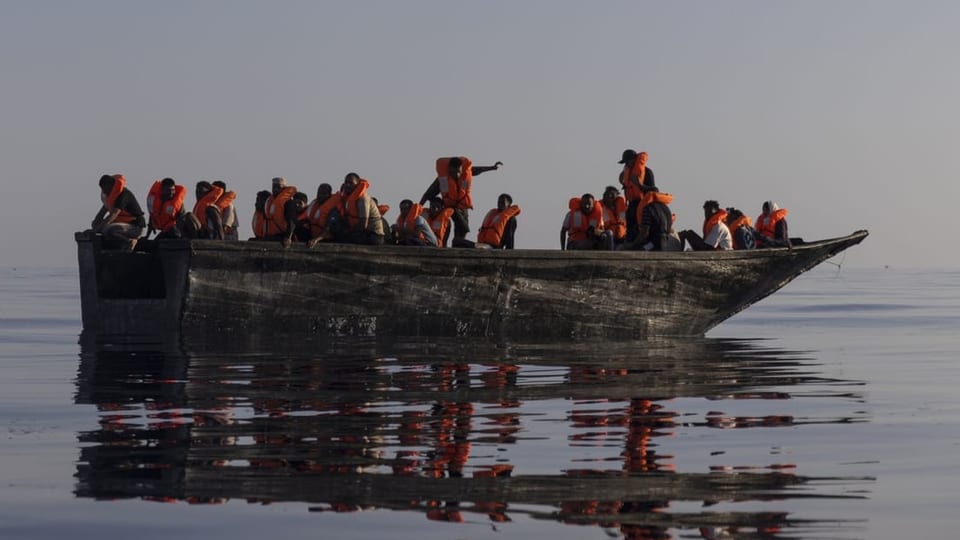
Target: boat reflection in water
(455, 429)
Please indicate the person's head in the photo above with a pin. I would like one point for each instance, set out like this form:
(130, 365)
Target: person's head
(324, 192)
(350, 181)
(610, 195)
(733, 214)
(278, 184)
(769, 207)
(503, 201)
(405, 206)
(436, 206)
(220, 184)
(628, 157)
(300, 200)
(454, 168)
(710, 208)
(642, 157)
(586, 203)
(168, 188)
(203, 187)
(261, 201)
(106, 183)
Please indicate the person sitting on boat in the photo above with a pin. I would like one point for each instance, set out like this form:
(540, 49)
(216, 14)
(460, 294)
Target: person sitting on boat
(636, 179)
(741, 229)
(383, 208)
(655, 226)
(120, 218)
(205, 221)
(500, 224)
(165, 203)
(364, 224)
(453, 184)
(324, 215)
(228, 212)
(298, 225)
(772, 226)
(260, 225)
(716, 235)
(411, 228)
(439, 219)
(615, 214)
(584, 223)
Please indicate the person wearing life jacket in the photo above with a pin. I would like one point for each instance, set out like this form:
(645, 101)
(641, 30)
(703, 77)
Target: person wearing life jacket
(364, 224)
(205, 221)
(615, 214)
(228, 212)
(439, 219)
(324, 215)
(500, 224)
(259, 224)
(120, 218)
(298, 226)
(453, 184)
(741, 230)
(771, 227)
(716, 235)
(280, 210)
(165, 203)
(636, 179)
(654, 226)
(411, 228)
(584, 225)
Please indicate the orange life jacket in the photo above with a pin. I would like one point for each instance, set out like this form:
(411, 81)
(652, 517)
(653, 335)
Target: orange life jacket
(491, 232)
(119, 184)
(383, 208)
(615, 219)
(651, 197)
(734, 226)
(631, 191)
(351, 209)
(407, 225)
(456, 194)
(163, 214)
(226, 200)
(580, 222)
(711, 222)
(440, 223)
(767, 223)
(259, 224)
(276, 223)
(318, 214)
(210, 199)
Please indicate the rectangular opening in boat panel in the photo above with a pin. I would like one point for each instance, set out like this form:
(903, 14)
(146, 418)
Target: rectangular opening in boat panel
(130, 275)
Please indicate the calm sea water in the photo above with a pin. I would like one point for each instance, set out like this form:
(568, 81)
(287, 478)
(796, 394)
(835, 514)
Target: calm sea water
(826, 411)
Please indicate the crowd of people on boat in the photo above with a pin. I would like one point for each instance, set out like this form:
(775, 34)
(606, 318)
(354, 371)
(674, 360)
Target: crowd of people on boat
(638, 219)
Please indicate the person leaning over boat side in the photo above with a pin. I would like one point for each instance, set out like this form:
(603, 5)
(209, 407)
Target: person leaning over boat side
(120, 218)
(655, 227)
(716, 235)
(411, 229)
(324, 215)
(298, 225)
(228, 212)
(500, 224)
(584, 223)
(741, 230)
(615, 214)
(636, 179)
(453, 184)
(364, 225)
(772, 226)
(439, 219)
(205, 221)
(165, 203)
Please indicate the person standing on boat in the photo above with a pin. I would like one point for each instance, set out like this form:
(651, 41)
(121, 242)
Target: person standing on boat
(655, 227)
(584, 223)
(636, 179)
(615, 214)
(228, 212)
(741, 230)
(772, 226)
(411, 229)
(165, 203)
(453, 184)
(324, 215)
(500, 224)
(716, 235)
(120, 219)
(439, 219)
(364, 224)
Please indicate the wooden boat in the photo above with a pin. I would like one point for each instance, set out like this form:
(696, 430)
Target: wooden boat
(205, 286)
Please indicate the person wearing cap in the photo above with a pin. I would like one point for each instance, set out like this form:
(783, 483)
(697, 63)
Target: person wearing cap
(453, 184)
(636, 179)
(716, 234)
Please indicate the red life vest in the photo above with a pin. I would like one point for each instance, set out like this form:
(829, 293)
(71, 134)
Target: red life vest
(491, 232)
(456, 194)
(318, 214)
(163, 214)
(276, 223)
(119, 183)
(767, 223)
(208, 200)
(440, 223)
(615, 219)
(226, 200)
(580, 222)
(350, 206)
(711, 222)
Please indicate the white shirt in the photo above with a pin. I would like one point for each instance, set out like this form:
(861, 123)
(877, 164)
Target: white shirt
(719, 236)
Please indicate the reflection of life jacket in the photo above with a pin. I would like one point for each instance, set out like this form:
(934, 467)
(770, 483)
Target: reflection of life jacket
(351, 205)
(208, 200)
(163, 214)
(456, 194)
(615, 219)
(580, 222)
(276, 222)
(631, 191)
(491, 232)
(407, 225)
(767, 223)
(440, 223)
(119, 183)
(744, 239)
(650, 197)
(319, 213)
(711, 222)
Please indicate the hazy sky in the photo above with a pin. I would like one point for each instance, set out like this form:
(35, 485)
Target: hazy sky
(846, 113)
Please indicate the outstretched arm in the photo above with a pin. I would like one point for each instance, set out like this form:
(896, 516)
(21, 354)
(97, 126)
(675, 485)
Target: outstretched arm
(478, 169)
(431, 192)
